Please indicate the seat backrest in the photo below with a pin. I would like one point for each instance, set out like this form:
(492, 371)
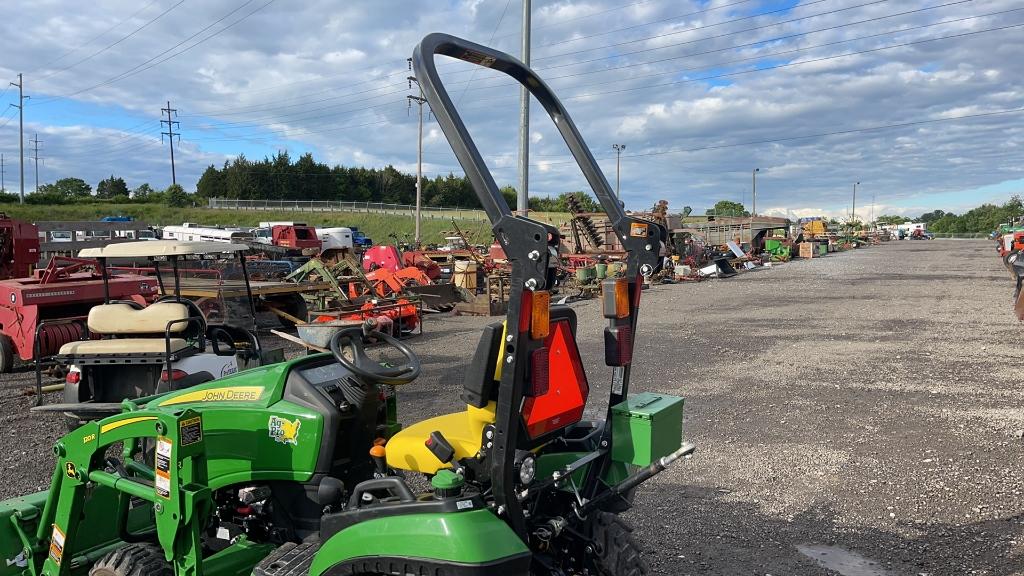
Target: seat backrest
(478, 387)
(122, 319)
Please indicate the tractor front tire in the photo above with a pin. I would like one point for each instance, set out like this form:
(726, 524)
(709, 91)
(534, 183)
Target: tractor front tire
(6, 353)
(133, 560)
(616, 552)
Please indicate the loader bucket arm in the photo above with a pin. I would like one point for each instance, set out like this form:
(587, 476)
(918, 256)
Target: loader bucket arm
(531, 247)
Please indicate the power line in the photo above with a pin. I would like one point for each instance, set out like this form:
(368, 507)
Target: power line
(773, 54)
(733, 33)
(152, 62)
(115, 43)
(97, 37)
(649, 23)
(474, 70)
(766, 68)
(808, 136)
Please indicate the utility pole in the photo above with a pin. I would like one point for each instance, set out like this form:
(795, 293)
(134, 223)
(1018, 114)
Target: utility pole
(420, 101)
(753, 194)
(522, 200)
(853, 211)
(21, 132)
(2, 187)
(873, 208)
(618, 155)
(170, 134)
(35, 145)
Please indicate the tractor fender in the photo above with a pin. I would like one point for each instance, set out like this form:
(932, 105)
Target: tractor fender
(460, 543)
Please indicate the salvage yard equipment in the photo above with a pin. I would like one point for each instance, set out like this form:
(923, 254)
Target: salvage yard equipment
(301, 467)
(128, 350)
(19, 248)
(41, 313)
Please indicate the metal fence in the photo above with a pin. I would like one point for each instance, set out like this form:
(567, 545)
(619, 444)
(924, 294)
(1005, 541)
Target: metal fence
(429, 212)
(968, 235)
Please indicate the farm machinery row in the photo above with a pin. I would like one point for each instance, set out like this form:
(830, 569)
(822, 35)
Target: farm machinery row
(1009, 244)
(302, 467)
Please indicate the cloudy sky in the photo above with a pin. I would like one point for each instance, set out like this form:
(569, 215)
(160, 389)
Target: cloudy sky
(922, 101)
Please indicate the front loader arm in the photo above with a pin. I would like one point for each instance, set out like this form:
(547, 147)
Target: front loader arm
(177, 492)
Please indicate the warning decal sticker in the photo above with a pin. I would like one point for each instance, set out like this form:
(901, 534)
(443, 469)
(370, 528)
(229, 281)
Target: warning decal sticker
(190, 431)
(57, 545)
(163, 467)
(638, 230)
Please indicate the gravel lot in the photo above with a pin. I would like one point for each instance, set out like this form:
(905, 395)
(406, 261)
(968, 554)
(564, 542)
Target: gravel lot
(870, 401)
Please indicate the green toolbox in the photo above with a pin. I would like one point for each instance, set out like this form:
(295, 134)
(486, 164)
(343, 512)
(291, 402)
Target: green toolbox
(645, 427)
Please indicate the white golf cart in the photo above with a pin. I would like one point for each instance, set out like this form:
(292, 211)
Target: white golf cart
(130, 351)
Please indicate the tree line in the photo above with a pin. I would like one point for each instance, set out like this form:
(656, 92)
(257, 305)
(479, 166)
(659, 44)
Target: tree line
(112, 190)
(281, 178)
(984, 218)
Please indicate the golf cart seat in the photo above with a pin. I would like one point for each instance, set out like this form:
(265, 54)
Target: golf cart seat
(133, 331)
(559, 406)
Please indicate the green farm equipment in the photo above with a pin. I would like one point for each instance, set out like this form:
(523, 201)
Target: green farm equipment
(301, 467)
(778, 249)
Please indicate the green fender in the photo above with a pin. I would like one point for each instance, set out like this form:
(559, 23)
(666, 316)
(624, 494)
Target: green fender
(464, 542)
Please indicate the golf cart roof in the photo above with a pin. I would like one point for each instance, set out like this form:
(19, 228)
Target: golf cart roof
(159, 248)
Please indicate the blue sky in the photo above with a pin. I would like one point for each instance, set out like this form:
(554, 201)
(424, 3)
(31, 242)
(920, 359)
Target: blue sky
(330, 79)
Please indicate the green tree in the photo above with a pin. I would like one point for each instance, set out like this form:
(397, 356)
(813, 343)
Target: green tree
(67, 189)
(727, 208)
(176, 197)
(111, 187)
(145, 193)
(211, 184)
(885, 219)
(929, 217)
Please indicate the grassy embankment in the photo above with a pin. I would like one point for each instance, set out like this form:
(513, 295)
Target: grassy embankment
(376, 226)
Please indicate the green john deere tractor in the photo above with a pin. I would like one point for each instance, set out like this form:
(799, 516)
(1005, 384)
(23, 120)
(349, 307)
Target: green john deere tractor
(301, 468)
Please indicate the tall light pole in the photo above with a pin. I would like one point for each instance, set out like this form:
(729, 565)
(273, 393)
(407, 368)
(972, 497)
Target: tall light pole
(853, 211)
(618, 157)
(753, 195)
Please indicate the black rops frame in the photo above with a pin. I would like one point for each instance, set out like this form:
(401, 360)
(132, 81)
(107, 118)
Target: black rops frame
(531, 247)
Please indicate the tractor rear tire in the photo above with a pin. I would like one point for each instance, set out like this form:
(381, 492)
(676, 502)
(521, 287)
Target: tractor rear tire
(133, 560)
(616, 552)
(6, 354)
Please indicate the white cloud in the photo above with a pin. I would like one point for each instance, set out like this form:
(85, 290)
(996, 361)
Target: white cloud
(331, 78)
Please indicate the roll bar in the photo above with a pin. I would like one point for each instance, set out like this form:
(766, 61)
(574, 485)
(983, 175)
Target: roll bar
(649, 243)
(532, 249)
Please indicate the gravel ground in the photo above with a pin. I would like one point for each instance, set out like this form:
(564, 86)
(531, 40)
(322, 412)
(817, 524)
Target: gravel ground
(867, 401)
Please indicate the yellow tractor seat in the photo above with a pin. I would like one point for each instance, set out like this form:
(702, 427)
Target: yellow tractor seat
(407, 450)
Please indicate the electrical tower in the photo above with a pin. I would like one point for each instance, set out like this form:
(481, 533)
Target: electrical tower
(170, 134)
(35, 146)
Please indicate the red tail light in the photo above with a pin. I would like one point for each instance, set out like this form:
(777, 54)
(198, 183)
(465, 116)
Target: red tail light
(175, 375)
(540, 376)
(73, 377)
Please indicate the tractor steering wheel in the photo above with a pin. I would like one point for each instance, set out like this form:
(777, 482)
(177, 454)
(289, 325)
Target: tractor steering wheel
(368, 369)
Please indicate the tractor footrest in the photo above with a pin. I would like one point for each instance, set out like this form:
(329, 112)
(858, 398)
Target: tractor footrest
(288, 560)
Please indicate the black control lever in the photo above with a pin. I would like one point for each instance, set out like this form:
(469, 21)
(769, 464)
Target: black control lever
(440, 447)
